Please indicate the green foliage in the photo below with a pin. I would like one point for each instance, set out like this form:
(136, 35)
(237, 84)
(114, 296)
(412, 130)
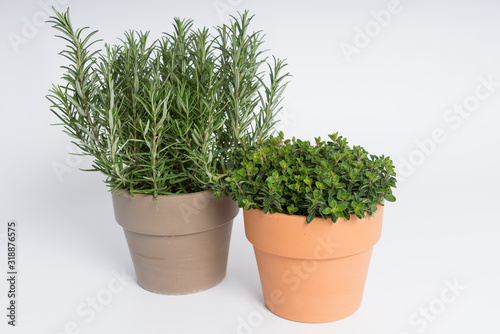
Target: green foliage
(328, 179)
(159, 117)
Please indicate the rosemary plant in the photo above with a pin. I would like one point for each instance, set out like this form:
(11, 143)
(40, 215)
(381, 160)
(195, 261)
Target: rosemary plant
(160, 117)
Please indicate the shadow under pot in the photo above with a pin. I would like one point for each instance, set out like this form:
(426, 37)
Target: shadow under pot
(179, 243)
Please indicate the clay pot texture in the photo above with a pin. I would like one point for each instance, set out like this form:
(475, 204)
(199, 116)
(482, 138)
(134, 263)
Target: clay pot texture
(179, 243)
(312, 272)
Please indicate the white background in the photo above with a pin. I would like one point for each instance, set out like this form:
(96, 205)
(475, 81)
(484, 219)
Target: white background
(394, 93)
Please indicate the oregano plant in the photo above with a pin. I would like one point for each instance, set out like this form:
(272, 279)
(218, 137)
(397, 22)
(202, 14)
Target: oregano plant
(160, 116)
(326, 179)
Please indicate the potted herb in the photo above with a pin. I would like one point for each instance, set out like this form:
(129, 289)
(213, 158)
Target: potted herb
(159, 117)
(313, 214)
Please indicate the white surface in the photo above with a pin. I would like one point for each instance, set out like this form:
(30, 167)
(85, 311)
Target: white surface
(396, 91)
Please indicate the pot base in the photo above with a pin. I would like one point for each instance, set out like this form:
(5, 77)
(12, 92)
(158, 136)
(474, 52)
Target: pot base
(295, 289)
(180, 264)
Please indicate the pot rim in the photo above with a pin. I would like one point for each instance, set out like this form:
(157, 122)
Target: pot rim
(121, 191)
(172, 214)
(295, 217)
(290, 236)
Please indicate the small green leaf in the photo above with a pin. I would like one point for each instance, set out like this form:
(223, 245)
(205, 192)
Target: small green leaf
(291, 209)
(270, 179)
(390, 197)
(310, 217)
(341, 207)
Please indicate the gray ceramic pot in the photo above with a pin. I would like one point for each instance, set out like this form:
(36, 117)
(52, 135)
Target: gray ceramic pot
(179, 243)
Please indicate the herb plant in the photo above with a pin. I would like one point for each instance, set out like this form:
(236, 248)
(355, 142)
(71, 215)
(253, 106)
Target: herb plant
(328, 179)
(159, 117)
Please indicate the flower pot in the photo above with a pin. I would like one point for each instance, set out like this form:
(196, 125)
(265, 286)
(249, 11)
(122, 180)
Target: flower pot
(312, 272)
(179, 243)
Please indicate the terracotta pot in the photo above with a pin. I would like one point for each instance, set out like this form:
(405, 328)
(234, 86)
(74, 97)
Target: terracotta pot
(179, 243)
(312, 272)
